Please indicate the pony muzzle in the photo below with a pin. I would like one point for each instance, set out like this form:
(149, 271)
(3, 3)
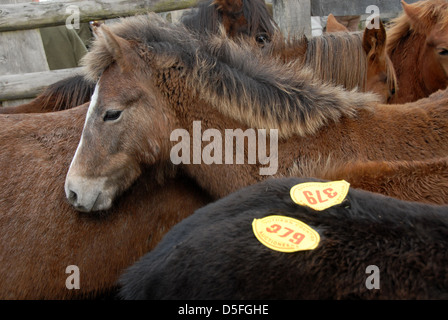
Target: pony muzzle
(87, 195)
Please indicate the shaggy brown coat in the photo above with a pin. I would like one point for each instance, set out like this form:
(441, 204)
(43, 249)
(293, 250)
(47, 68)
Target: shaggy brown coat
(41, 234)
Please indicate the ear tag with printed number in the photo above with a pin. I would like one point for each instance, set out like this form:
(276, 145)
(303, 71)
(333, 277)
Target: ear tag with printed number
(320, 196)
(285, 234)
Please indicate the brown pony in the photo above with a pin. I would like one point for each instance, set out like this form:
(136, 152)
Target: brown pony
(155, 78)
(418, 48)
(381, 77)
(41, 234)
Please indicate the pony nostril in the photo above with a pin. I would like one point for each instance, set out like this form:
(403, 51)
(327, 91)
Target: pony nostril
(72, 196)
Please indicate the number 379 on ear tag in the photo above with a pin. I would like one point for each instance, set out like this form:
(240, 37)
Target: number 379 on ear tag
(320, 196)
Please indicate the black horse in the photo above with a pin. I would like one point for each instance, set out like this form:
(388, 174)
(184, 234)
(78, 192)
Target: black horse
(371, 247)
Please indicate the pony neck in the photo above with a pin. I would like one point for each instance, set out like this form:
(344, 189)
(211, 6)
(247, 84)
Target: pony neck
(225, 175)
(337, 143)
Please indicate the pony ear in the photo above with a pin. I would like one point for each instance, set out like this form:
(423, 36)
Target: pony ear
(417, 14)
(333, 25)
(374, 39)
(119, 48)
(422, 15)
(411, 10)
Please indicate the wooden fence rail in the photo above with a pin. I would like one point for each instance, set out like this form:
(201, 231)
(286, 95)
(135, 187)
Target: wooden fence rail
(29, 85)
(34, 15)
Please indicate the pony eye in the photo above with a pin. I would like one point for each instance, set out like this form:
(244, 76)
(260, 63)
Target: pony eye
(112, 115)
(443, 52)
(261, 38)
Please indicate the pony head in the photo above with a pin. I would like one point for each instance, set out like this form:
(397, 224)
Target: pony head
(418, 47)
(121, 151)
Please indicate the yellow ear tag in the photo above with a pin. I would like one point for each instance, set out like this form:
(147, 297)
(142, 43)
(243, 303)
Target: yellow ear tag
(285, 234)
(320, 196)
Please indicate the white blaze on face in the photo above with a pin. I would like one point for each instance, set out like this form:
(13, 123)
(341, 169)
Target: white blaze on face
(86, 194)
(92, 105)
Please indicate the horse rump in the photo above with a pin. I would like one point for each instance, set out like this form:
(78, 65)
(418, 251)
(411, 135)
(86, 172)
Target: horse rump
(214, 253)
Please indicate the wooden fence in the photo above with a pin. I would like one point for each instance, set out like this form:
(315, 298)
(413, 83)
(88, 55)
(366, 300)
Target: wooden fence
(292, 16)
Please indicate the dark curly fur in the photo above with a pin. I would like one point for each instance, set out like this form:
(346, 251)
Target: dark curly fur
(214, 254)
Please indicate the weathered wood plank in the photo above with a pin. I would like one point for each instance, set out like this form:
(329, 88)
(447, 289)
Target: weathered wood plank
(44, 14)
(354, 7)
(293, 16)
(21, 52)
(29, 85)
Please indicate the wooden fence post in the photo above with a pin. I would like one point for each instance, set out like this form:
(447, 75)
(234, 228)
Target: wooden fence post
(293, 17)
(21, 52)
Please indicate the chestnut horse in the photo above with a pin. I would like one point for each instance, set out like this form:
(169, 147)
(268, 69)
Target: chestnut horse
(214, 254)
(156, 82)
(41, 234)
(418, 48)
(381, 77)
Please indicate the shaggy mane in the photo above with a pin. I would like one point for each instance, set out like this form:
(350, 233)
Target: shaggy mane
(236, 79)
(318, 53)
(66, 94)
(339, 56)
